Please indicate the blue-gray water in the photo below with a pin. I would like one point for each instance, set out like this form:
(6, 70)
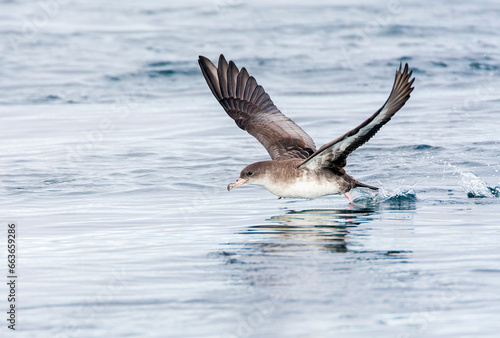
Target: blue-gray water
(116, 157)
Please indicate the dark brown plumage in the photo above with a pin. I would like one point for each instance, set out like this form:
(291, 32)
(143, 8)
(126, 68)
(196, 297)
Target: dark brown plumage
(253, 110)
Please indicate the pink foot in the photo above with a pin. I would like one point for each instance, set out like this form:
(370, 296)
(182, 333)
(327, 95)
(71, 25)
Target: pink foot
(349, 198)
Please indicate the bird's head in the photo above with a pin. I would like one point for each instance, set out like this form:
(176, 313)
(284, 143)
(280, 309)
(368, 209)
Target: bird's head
(251, 174)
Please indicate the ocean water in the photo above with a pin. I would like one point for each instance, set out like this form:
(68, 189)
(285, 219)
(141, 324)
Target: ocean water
(116, 158)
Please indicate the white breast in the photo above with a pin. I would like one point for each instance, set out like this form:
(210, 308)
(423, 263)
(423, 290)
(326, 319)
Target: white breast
(304, 187)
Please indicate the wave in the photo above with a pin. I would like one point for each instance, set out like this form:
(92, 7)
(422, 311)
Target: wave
(477, 188)
(483, 66)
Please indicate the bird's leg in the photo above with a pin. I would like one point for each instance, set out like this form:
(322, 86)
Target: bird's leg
(279, 197)
(348, 196)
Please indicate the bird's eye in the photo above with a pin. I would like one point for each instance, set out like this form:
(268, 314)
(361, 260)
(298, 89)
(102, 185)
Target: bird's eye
(249, 173)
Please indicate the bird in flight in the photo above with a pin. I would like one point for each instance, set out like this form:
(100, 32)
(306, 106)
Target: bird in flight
(296, 169)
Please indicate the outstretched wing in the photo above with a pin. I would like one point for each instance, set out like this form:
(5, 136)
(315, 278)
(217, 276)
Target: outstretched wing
(252, 109)
(334, 154)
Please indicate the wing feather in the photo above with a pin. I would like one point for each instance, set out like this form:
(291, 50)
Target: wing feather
(222, 74)
(241, 83)
(232, 79)
(249, 88)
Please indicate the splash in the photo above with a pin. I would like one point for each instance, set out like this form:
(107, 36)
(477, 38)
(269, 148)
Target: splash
(477, 188)
(400, 198)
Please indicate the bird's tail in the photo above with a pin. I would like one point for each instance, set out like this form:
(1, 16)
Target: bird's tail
(362, 185)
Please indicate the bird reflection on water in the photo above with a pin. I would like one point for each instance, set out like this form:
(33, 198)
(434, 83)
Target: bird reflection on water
(323, 228)
(303, 249)
(300, 236)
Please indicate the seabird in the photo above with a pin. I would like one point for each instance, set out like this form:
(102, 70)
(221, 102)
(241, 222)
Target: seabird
(297, 169)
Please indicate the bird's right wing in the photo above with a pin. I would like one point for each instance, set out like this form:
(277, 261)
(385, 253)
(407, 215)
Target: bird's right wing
(334, 154)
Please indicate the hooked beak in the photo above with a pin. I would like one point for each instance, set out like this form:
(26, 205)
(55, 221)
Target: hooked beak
(239, 181)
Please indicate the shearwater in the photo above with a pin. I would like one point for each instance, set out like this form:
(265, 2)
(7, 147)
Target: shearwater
(296, 168)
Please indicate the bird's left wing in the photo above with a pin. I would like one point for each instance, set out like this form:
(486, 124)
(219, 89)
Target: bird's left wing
(251, 108)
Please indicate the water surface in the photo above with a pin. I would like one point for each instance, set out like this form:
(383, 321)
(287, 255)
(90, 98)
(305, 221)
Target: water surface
(116, 158)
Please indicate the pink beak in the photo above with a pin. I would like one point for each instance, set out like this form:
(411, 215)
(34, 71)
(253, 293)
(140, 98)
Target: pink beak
(239, 181)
